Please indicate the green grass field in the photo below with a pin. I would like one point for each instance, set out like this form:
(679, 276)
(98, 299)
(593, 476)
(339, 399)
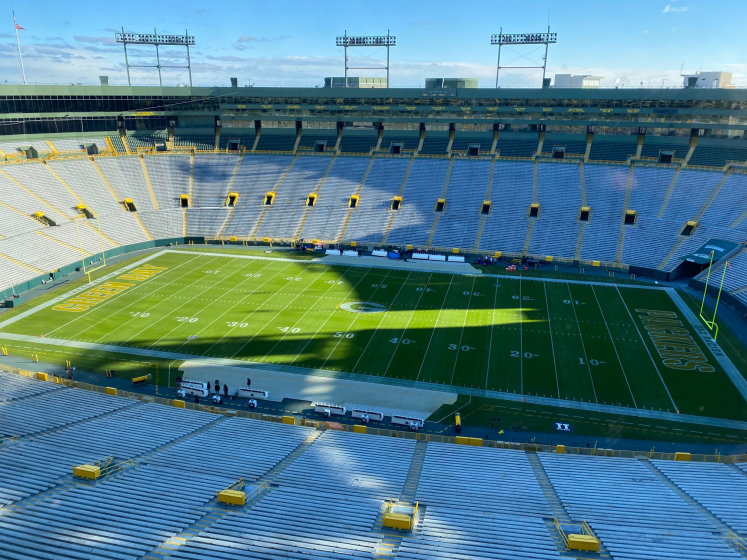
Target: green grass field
(554, 339)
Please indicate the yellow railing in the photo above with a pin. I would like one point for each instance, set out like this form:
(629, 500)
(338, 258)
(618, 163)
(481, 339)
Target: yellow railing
(9, 439)
(418, 436)
(561, 532)
(738, 541)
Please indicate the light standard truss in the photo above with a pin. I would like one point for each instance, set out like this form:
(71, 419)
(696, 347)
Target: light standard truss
(513, 39)
(155, 39)
(382, 41)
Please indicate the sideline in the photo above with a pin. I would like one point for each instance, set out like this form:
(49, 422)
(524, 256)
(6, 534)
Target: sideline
(547, 401)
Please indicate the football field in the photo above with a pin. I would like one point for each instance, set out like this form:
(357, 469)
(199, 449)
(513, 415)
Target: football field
(600, 343)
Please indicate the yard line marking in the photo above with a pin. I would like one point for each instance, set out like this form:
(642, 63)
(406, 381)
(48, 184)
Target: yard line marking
(583, 346)
(552, 345)
(382, 320)
(299, 294)
(241, 269)
(119, 272)
(433, 331)
(461, 336)
(357, 316)
(173, 310)
(490, 346)
(614, 346)
(304, 315)
(330, 316)
(521, 343)
(211, 323)
(646, 347)
(147, 310)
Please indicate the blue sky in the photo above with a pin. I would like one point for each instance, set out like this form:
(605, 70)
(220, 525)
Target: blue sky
(292, 43)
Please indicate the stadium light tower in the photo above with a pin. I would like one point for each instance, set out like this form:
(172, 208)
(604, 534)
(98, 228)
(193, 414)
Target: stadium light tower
(386, 41)
(523, 39)
(155, 39)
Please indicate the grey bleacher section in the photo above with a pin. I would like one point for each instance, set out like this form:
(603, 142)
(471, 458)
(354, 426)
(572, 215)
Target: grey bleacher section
(516, 148)
(736, 279)
(12, 274)
(257, 175)
(435, 145)
(468, 184)
(121, 517)
(287, 524)
(54, 409)
(605, 195)
(212, 175)
(79, 235)
(15, 196)
(36, 177)
(424, 184)
(14, 387)
(712, 156)
(717, 487)
(206, 222)
(204, 142)
(143, 140)
(48, 255)
(125, 174)
(382, 184)
(559, 194)
(729, 203)
(358, 144)
(506, 227)
(611, 151)
(15, 222)
(166, 224)
(76, 145)
(122, 227)
(118, 144)
(327, 215)
(169, 176)
(640, 543)
(497, 482)
(80, 176)
(32, 466)
(690, 192)
(276, 142)
(284, 216)
(649, 241)
(571, 148)
(615, 491)
(239, 448)
(648, 188)
(353, 465)
(472, 534)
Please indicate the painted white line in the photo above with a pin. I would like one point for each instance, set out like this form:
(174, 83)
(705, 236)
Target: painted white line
(347, 330)
(95, 310)
(583, 346)
(299, 294)
(552, 344)
(614, 346)
(640, 336)
(433, 330)
(332, 285)
(330, 316)
(461, 336)
(490, 345)
(382, 320)
(521, 342)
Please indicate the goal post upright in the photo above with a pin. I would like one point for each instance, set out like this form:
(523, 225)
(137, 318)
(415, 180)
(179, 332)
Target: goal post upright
(712, 323)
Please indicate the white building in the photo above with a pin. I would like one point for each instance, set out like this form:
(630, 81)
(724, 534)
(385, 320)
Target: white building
(573, 81)
(709, 80)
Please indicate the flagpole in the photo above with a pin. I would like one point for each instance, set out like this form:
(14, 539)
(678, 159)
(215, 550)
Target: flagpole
(18, 43)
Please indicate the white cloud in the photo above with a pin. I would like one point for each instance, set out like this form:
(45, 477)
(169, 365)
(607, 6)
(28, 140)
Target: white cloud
(669, 9)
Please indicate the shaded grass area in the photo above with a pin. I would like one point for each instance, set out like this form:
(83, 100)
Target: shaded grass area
(548, 272)
(517, 417)
(254, 251)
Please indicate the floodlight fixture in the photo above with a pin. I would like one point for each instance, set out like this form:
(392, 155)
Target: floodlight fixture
(155, 39)
(353, 41)
(518, 39)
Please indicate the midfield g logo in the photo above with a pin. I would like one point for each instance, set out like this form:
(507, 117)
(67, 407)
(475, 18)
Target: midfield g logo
(363, 307)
